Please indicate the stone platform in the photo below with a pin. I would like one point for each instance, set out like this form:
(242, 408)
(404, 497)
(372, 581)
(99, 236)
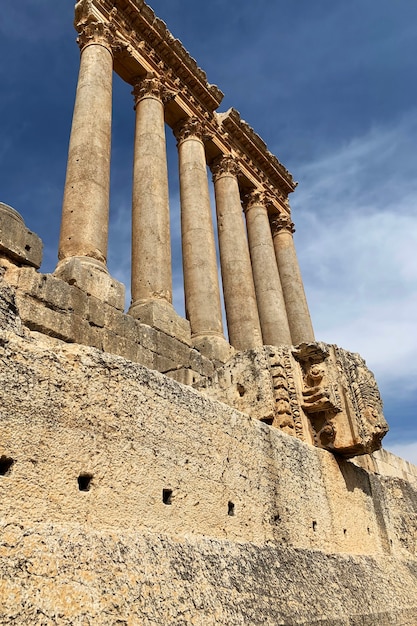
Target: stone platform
(127, 498)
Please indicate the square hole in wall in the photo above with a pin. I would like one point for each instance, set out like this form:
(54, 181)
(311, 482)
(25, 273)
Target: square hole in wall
(84, 482)
(167, 496)
(6, 464)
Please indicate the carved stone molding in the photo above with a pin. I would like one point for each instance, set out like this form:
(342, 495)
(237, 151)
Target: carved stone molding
(154, 87)
(189, 127)
(225, 165)
(286, 410)
(83, 13)
(281, 223)
(340, 397)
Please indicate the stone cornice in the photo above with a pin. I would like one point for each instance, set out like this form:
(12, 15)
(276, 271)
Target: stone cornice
(248, 143)
(138, 26)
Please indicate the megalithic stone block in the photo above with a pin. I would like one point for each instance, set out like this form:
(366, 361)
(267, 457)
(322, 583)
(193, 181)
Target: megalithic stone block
(16, 241)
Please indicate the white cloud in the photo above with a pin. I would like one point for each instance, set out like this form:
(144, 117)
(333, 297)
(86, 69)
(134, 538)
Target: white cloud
(357, 243)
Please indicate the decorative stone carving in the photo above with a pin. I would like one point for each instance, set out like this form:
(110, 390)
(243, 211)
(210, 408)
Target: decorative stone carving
(152, 86)
(281, 222)
(286, 410)
(223, 166)
(363, 397)
(257, 197)
(189, 127)
(83, 13)
(320, 399)
(341, 399)
(97, 33)
(318, 393)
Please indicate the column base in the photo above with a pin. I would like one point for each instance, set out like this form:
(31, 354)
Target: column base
(214, 347)
(93, 278)
(161, 315)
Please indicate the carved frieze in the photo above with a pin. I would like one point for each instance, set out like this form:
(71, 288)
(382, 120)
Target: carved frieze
(249, 143)
(320, 400)
(287, 414)
(363, 396)
(83, 13)
(341, 399)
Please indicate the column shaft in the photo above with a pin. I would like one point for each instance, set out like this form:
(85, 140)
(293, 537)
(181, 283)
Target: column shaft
(292, 284)
(151, 243)
(85, 212)
(84, 228)
(271, 306)
(202, 294)
(151, 240)
(238, 287)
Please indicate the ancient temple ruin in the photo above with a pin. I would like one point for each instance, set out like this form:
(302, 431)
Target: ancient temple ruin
(185, 439)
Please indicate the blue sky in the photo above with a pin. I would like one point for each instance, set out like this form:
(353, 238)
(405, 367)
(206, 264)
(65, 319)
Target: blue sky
(329, 85)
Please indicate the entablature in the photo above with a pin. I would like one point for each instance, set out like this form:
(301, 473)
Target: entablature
(249, 143)
(149, 47)
(144, 48)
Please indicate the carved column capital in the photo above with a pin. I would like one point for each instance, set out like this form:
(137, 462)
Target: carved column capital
(257, 197)
(189, 127)
(281, 223)
(224, 165)
(151, 87)
(98, 33)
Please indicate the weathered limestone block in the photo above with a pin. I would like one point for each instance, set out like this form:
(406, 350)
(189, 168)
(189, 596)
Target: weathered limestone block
(51, 306)
(184, 376)
(162, 316)
(9, 319)
(16, 241)
(53, 292)
(71, 576)
(126, 497)
(388, 464)
(93, 280)
(244, 383)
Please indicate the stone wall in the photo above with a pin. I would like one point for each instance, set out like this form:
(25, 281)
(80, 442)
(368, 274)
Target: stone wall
(127, 498)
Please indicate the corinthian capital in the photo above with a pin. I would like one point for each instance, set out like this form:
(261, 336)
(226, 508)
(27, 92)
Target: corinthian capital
(256, 197)
(281, 223)
(225, 165)
(190, 127)
(94, 32)
(153, 87)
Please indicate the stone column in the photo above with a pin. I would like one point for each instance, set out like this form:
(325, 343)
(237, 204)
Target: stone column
(238, 288)
(202, 294)
(292, 285)
(151, 242)
(85, 212)
(271, 306)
